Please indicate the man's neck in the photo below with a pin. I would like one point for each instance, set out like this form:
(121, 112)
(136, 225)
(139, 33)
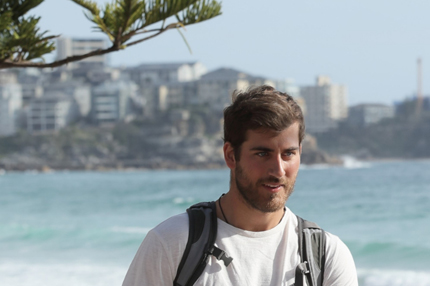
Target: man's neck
(241, 215)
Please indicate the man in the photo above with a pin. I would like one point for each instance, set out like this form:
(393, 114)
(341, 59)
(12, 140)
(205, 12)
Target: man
(263, 131)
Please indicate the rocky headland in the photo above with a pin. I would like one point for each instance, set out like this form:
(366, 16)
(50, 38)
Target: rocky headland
(124, 146)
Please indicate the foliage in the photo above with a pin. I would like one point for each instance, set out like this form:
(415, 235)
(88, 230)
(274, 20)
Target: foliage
(125, 22)
(20, 38)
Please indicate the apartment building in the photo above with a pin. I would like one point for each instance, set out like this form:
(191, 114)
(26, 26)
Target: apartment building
(163, 85)
(164, 73)
(111, 101)
(10, 103)
(326, 105)
(363, 115)
(215, 88)
(31, 81)
(78, 91)
(176, 94)
(288, 86)
(77, 46)
(51, 112)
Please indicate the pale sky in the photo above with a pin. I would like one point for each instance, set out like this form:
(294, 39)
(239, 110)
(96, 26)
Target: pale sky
(371, 46)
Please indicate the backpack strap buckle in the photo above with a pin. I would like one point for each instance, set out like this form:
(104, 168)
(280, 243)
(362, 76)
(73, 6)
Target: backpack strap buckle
(220, 255)
(303, 267)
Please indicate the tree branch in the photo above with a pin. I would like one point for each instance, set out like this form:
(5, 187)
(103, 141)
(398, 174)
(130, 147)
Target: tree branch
(120, 21)
(28, 64)
(146, 31)
(171, 26)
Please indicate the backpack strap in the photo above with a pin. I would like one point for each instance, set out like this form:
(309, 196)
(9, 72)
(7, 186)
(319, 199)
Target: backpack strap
(201, 239)
(312, 242)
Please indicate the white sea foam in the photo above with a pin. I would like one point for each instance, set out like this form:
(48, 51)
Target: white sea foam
(350, 162)
(179, 200)
(139, 230)
(379, 277)
(65, 274)
(315, 167)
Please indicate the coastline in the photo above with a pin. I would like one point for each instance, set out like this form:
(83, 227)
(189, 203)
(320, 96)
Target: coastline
(166, 165)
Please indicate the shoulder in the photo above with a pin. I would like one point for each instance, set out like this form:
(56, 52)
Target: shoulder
(174, 226)
(339, 267)
(335, 246)
(170, 236)
(158, 257)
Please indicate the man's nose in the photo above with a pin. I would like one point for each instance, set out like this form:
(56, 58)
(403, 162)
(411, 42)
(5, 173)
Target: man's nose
(277, 168)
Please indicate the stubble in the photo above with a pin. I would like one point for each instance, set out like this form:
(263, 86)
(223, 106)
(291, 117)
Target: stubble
(266, 203)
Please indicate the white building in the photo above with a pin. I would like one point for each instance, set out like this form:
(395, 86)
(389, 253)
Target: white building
(10, 103)
(326, 105)
(31, 91)
(111, 101)
(75, 90)
(288, 86)
(366, 114)
(163, 73)
(215, 88)
(163, 85)
(30, 80)
(51, 112)
(77, 46)
(163, 97)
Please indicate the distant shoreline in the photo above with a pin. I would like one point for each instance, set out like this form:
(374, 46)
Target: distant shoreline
(173, 167)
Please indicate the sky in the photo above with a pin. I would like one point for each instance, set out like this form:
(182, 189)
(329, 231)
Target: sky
(370, 46)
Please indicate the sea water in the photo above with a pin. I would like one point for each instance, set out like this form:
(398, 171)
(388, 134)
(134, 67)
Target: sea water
(83, 228)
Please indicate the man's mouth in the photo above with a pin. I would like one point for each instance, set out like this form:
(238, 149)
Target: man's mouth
(273, 186)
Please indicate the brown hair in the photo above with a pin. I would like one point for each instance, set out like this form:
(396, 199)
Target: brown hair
(260, 107)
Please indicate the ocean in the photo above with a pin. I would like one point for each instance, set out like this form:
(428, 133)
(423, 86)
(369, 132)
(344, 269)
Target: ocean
(83, 228)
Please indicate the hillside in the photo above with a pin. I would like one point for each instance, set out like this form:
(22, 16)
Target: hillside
(125, 145)
(400, 137)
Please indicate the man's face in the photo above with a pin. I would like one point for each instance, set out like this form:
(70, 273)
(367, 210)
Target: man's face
(268, 167)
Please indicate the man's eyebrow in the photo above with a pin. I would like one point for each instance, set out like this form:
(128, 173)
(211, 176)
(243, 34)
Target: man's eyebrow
(265, 149)
(292, 149)
(261, 148)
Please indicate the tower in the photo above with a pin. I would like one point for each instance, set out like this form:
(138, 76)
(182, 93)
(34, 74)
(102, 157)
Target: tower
(419, 88)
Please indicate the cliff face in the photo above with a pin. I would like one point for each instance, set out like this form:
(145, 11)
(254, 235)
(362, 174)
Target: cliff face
(311, 154)
(123, 146)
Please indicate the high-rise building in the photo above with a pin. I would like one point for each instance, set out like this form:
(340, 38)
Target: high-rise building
(216, 87)
(77, 46)
(165, 73)
(288, 86)
(366, 114)
(111, 101)
(76, 90)
(51, 112)
(163, 85)
(326, 105)
(10, 103)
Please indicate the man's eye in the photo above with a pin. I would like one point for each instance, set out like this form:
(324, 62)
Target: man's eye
(289, 154)
(262, 154)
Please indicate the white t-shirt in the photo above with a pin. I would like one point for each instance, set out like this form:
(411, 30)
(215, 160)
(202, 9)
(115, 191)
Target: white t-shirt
(259, 258)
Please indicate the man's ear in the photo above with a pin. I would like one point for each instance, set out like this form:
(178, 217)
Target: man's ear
(229, 158)
(300, 148)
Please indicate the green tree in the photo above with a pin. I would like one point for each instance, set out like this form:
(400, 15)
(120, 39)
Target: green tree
(125, 22)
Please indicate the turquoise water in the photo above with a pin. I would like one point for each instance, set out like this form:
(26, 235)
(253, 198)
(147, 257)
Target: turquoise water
(83, 228)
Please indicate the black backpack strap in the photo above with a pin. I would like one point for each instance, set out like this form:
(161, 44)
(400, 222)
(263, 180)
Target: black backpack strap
(312, 242)
(201, 239)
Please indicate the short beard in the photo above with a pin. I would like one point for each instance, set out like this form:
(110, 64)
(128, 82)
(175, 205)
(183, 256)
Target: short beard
(250, 194)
